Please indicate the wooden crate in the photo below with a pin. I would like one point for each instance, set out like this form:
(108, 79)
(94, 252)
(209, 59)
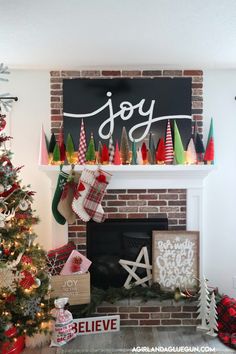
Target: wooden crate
(76, 287)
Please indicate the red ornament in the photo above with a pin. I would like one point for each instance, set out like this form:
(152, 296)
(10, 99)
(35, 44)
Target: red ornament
(75, 265)
(10, 298)
(28, 280)
(26, 259)
(7, 251)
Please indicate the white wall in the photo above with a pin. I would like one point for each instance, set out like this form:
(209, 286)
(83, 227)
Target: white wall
(33, 109)
(24, 124)
(220, 197)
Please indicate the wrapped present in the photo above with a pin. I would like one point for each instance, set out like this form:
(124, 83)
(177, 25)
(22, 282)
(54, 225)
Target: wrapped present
(57, 258)
(76, 263)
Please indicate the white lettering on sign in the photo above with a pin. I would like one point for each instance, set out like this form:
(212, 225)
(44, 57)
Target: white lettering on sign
(125, 113)
(175, 263)
(96, 325)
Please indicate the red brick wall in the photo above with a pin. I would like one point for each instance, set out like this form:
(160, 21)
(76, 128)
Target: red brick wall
(138, 203)
(58, 76)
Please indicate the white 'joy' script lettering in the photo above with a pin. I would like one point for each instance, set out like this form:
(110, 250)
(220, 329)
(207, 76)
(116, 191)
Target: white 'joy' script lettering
(125, 113)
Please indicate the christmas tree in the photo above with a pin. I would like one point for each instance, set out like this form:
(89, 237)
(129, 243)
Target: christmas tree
(117, 160)
(199, 148)
(144, 153)
(209, 154)
(191, 156)
(134, 153)
(51, 147)
(70, 150)
(105, 155)
(151, 150)
(169, 152)
(24, 282)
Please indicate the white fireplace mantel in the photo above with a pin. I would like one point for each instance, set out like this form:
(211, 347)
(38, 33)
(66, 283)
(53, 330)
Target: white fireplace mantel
(147, 176)
(189, 177)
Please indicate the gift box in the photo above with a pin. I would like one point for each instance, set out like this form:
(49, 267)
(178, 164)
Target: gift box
(15, 347)
(76, 263)
(76, 287)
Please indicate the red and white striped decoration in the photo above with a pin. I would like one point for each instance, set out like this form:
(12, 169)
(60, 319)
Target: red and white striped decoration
(82, 145)
(169, 153)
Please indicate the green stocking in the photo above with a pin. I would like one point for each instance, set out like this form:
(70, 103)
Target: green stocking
(62, 178)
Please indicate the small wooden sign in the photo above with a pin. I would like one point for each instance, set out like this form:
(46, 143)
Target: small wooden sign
(91, 325)
(175, 259)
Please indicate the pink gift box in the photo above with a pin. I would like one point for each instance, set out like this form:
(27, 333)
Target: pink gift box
(84, 265)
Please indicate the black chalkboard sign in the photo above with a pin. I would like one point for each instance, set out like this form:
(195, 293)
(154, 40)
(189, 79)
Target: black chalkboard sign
(141, 105)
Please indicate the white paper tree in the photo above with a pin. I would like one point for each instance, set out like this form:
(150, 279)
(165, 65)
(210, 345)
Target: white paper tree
(212, 317)
(203, 308)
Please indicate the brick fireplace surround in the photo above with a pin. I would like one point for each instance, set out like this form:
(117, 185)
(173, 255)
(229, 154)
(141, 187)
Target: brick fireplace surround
(137, 203)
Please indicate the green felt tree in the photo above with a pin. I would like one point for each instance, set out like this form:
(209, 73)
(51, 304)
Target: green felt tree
(124, 147)
(178, 146)
(52, 144)
(90, 154)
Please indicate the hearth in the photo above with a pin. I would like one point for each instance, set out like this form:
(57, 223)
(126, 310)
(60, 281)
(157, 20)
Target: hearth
(114, 239)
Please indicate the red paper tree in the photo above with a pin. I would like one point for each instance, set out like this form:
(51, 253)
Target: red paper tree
(144, 153)
(105, 154)
(160, 152)
(209, 154)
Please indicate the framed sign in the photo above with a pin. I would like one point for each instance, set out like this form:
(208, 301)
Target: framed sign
(141, 105)
(175, 259)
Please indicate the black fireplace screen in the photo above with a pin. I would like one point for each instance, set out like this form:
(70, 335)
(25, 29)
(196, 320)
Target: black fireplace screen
(114, 239)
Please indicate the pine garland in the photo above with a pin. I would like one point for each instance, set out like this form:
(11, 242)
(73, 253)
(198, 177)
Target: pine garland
(112, 295)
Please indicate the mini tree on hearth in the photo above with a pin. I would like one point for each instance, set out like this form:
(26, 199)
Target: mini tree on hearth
(124, 147)
(24, 282)
(212, 317)
(191, 156)
(209, 154)
(203, 307)
(111, 149)
(99, 153)
(56, 157)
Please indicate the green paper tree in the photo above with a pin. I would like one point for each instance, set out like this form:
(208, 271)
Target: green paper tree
(134, 153)
(56, 153)
(90, 154)
(124, 147)
(178, 146)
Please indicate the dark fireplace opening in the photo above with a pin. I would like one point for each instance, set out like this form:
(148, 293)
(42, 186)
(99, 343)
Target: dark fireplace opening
(117, 239)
